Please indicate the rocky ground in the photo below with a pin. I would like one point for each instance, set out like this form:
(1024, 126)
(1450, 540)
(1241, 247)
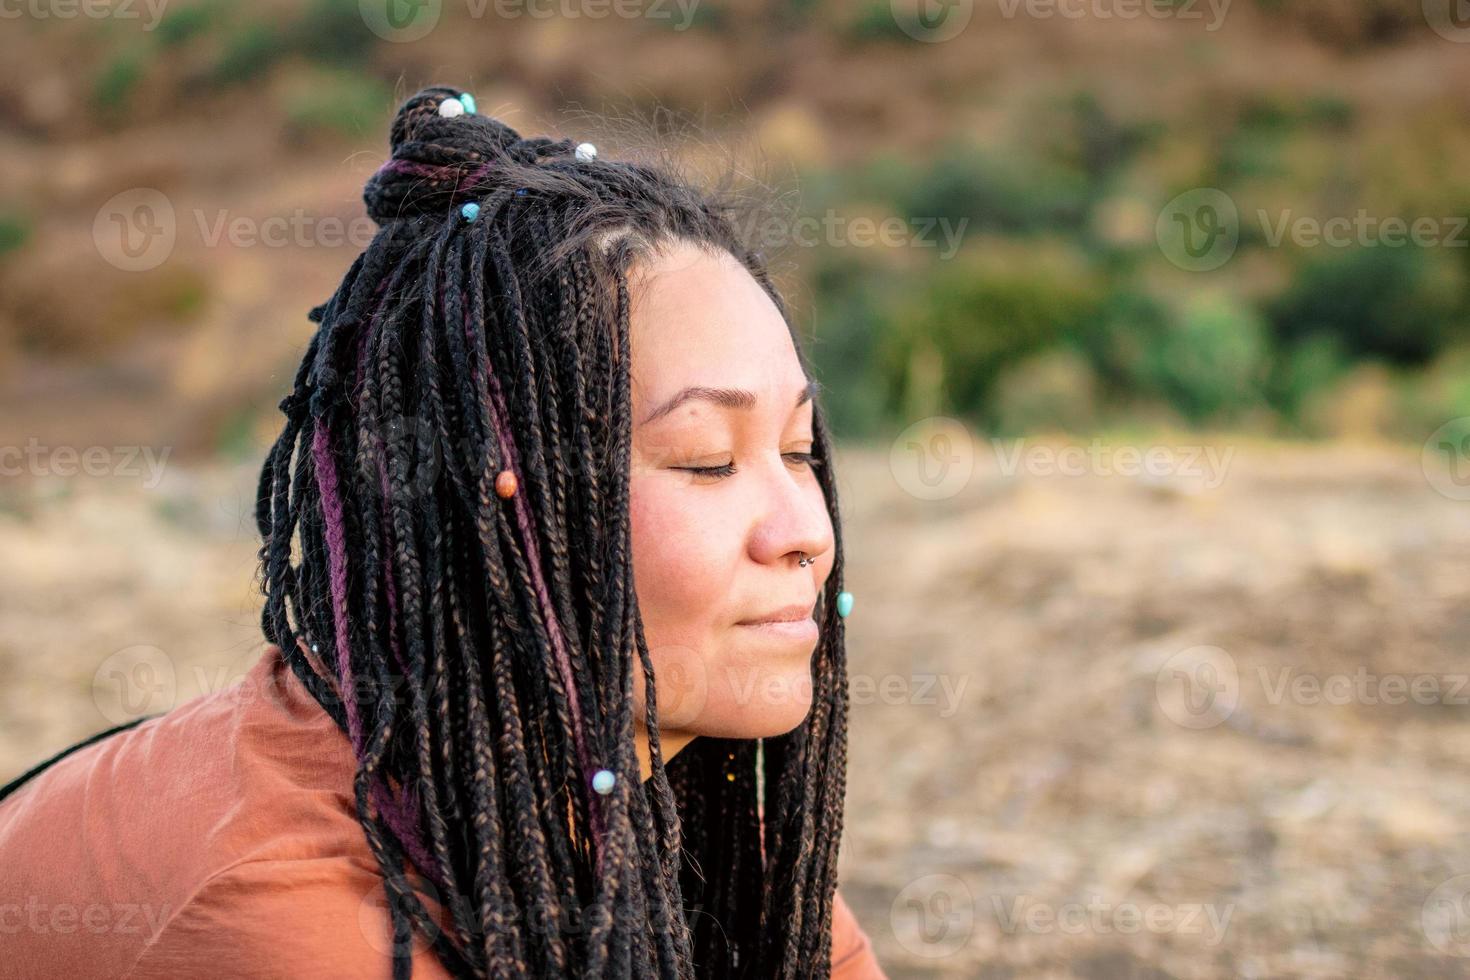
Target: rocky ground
(1207, 722)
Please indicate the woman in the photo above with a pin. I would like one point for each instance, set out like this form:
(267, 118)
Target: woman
(470, 746)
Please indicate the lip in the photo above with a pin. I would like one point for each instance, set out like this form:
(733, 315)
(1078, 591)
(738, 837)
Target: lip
(789, 624)
(786, 630)
(784, 616)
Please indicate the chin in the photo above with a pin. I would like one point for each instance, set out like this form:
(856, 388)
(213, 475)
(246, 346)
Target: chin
(763, 702)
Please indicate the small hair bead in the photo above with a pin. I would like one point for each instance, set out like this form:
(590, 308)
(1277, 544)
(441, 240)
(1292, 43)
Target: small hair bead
(844, 604)
(470, 211)
(468, 101)
(521, 192)
(450, 108)
(586, 152)
(505, 484)
(603, 780)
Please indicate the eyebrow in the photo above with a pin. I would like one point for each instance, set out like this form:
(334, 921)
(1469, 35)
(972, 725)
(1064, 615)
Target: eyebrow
(725, 398)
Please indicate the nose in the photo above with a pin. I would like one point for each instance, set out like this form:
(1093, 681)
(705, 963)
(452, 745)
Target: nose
(794, 520)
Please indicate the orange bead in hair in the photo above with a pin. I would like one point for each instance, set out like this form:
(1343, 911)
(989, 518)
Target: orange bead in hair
(505, 484)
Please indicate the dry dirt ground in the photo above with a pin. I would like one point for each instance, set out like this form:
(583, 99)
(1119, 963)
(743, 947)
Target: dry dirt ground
(1209, 723)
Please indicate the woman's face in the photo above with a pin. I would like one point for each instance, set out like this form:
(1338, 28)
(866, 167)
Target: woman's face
(724, 501)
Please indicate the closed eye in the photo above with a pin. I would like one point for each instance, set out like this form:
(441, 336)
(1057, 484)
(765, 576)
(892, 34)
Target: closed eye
(728, 469)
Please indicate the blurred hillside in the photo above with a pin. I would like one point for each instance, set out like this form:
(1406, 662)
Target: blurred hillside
(1036, 271)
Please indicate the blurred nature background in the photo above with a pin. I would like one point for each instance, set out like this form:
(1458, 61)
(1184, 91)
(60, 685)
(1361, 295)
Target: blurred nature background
(1144, 326)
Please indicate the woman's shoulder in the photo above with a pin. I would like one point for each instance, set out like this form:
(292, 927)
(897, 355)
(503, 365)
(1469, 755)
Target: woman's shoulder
(852, 950)
(325, 917)
(154, 824)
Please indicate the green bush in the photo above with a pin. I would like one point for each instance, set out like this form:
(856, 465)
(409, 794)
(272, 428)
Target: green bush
(15, 231)
(1211, 363)
(119, 78)
(991, 193)
(1397, 304)
(844, 342)
(1302, 372)
(982, 312)
(1055, 390)
(249, 50)
(343, 101)
(182, 24)
(333, 30)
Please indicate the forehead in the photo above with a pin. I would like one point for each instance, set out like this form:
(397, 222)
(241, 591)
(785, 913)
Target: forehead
(698, 317)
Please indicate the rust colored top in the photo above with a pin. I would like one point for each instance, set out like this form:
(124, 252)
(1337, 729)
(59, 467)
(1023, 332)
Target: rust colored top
(219, 839)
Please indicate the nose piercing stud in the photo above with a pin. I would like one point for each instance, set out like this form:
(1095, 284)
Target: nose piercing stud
(804, 561)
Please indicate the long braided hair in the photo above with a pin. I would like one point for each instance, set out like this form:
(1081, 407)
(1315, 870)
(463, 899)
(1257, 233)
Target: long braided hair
(447, 567)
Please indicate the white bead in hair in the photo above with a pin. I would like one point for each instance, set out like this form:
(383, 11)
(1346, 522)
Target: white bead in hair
(586, 152)
(450, 108)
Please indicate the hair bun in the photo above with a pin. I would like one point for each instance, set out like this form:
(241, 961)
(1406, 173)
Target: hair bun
(439, 157)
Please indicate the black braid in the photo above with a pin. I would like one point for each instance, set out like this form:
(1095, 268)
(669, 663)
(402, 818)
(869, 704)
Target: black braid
(427, 612)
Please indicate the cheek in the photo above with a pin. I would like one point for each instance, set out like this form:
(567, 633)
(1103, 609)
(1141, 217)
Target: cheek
(685, 557)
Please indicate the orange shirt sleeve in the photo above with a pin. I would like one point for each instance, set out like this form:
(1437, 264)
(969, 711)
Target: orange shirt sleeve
(852, 951)
(270, 919)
